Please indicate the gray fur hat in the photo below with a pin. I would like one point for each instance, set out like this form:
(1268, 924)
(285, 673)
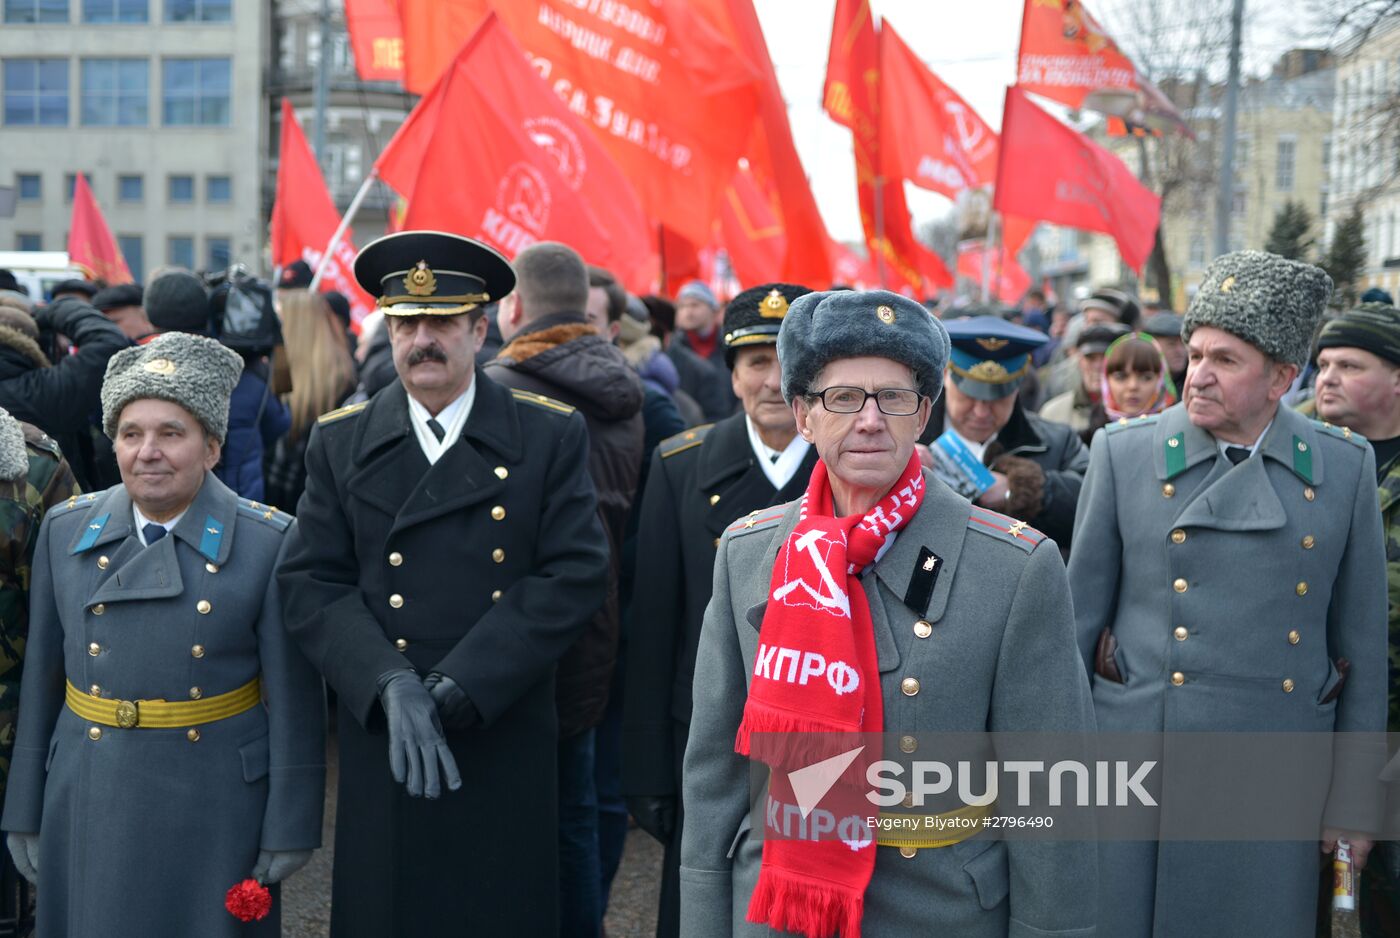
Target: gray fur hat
(822, 327)
(193, 371)
(1272, 303)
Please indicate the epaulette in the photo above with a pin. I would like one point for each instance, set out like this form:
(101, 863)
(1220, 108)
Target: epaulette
(684, 441)
(340, 413)
(1344, 433)
(759, 519)
(1004, 528)
(539, 400)
(267, 514)
(74, 501)
(1123, 423)
(40, 440)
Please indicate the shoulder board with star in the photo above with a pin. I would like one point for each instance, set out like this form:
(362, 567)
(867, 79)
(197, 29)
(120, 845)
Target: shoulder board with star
(267, 514)
(683, 441)
(539, 400)
(40, 440)
(760, 519)
(1341, 433)
(340, 413)
(70, 504)
(1123, 423)
(1004, 528)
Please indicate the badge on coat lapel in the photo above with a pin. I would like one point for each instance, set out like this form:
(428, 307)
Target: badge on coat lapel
(923, 580)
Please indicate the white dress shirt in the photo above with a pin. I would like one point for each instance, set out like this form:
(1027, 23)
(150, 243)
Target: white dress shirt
(778, 466)
(142, 521)
(452, 418)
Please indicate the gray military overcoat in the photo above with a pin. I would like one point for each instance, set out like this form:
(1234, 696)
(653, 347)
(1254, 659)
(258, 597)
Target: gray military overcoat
(1230, 590)
(142, 831)
(1000, 657)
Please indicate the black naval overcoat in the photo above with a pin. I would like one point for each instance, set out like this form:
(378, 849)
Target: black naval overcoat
(484, 566)
(701, 481)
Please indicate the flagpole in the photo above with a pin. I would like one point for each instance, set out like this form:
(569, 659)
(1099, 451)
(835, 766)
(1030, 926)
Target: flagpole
(988, 247)
(370, 177)
(878, 186)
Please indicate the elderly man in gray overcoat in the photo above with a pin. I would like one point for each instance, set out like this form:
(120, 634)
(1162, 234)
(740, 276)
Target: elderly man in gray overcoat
(953, 618)
(1229, 575)
(171, 736)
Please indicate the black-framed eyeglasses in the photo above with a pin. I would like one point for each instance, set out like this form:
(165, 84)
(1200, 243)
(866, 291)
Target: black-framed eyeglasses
(893, 402)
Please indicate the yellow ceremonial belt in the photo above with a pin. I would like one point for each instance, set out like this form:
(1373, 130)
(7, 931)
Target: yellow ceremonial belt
(925, 831)
(163, 714)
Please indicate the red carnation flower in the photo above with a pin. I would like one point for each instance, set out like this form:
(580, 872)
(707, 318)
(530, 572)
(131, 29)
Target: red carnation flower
(248, 901)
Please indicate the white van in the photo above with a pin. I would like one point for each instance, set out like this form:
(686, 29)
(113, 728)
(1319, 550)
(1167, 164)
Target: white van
(38, 271)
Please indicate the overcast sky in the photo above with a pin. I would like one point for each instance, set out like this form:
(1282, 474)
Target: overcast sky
(971, 46)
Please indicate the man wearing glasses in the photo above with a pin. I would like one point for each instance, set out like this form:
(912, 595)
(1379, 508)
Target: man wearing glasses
(1037, 466)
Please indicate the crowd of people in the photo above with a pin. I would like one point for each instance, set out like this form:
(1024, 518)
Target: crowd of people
(529, 534)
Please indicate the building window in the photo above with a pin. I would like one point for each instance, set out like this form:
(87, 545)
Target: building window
(70, 180)
(220, 252)
(28, 241)
(179, 252)
(196, 92)
(180, 189)
(133, 254)
(36, 92)
(1284, 165)
(30, 185)
(116, 92)
(36, 11)
(131, 188)
(114, 11)
(198, 11)
(218, 189)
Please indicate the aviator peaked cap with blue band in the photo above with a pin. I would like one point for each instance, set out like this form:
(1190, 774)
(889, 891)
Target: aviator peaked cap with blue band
(431, 273)
(990, 356)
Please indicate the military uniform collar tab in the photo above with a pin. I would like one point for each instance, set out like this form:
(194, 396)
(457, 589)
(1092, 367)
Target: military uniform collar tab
(208, 523)
(1292, 441)
(1178, 444)
(941, 526)
(107, 518)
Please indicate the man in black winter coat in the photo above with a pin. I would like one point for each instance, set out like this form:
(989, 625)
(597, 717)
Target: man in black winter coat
(61, 398)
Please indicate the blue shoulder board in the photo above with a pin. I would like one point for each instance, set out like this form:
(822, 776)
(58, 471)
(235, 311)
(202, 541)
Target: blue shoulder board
(1004, 528)
(267, 514)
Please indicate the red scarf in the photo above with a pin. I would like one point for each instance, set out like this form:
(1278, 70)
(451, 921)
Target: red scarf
(816, 672)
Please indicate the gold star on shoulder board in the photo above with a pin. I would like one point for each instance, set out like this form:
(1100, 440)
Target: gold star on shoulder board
(1018, 527)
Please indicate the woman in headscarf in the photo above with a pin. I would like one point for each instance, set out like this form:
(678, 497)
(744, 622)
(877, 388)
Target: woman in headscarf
(1136, 381)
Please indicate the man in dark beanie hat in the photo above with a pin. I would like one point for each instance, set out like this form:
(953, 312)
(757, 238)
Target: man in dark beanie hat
(930, 611)
(1229, 576)
(700, 482)
(123, 305)
(85, 290)
(176, 301)
(159, 681)
(1358, 387)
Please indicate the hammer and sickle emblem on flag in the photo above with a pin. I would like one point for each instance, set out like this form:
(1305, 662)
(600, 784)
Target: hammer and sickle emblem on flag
(834, 599)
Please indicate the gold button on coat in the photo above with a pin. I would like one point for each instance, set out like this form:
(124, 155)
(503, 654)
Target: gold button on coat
(212, 567)
(498, 555)
(1288, 685)
(910, 686)
(94, 649)
(94, 732)
(495, 596)
(396, 601)
(908, 852)
(1178, 536)
(498, 513)
(502, 472)
(714, 499)
(99, 609)
(197, 651)
(196, 693)
(203, 606)
(923, 629)
(95, 691)
(1168, 490)
(1302, 588)
(400, 643)
(192, 735)
(103, 563)
(1180, 633)
(395, 559)
(1179, 585)
(1294, 638)
(1309, 494)
(1308, 542)
(1178, 678)
(908, 744)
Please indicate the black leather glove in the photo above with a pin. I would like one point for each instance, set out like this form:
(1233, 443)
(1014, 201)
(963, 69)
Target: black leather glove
(455, 709)
(416, 745)
(655, 814)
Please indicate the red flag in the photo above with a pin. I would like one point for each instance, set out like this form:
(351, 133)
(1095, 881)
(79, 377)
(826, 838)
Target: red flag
(508, 164)
(929, 134)
(91, 247)
(376, 36)
(1008, 280)
(1066, 56)
(852, 97)
(304, 218)
(1051, 173)
(1015, 232)
(752, 232)
(850, 269)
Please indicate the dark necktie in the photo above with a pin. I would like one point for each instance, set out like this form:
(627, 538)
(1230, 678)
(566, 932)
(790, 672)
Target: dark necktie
(774, 457)
(153, 532)
(1237, 454)
(437, 429)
